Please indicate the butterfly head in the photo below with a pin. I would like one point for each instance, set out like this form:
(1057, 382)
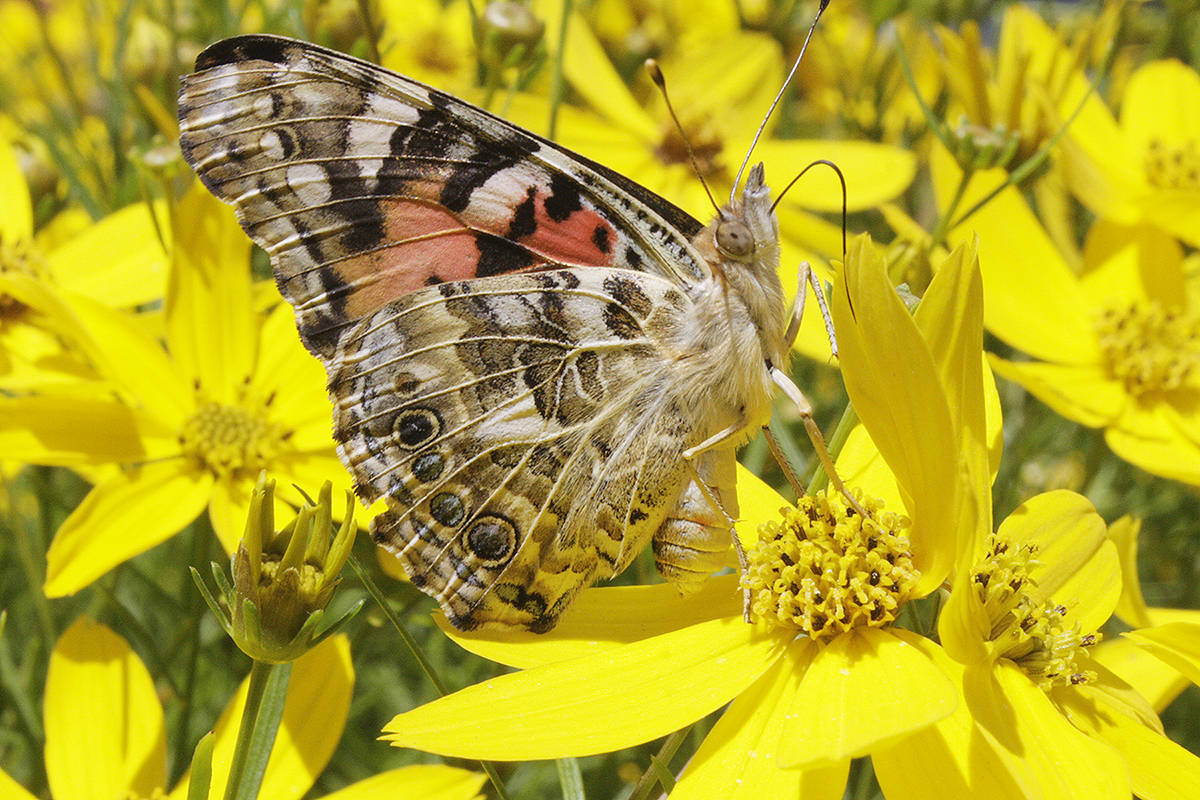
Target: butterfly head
(747, 232)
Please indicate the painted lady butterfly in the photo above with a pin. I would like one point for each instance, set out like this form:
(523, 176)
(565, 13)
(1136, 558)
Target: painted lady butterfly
(539, 364)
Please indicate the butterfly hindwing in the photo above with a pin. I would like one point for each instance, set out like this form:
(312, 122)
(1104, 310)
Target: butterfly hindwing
(493, 416)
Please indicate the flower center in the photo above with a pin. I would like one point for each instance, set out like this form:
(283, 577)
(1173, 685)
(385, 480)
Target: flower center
(1149, 348)
(825, 569)
(230, 440)
(436, 52)
(1029, 632)
(1173, 166)
(706, 144)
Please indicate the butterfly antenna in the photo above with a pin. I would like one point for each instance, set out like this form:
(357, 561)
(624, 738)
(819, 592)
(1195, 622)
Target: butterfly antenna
(656, 75)
(841, 179)
(778, 97)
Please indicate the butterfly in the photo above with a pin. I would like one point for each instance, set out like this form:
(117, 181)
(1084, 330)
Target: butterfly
(538, 364)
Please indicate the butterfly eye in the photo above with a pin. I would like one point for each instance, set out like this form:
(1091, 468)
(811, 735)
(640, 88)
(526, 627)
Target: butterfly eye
(734, 239)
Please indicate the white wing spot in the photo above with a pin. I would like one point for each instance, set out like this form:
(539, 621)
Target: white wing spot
(309, 182)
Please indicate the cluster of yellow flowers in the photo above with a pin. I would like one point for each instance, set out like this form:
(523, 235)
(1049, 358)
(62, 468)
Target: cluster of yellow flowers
(965, 658)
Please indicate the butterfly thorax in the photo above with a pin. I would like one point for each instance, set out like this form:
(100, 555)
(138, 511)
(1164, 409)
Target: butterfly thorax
(737, 329)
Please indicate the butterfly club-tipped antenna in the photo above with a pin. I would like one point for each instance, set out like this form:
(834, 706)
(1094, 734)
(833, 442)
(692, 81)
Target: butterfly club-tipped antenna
(656, 75)
(778, 97)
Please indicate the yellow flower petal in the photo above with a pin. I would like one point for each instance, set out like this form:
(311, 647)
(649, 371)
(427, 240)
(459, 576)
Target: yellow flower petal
(596, 703)
(730, 81)
(1079, 392)
(1156, 439)
(874, 172)
(1162, 101)
(119, 260)
(1057, 759)
(952, 759)
(291, 376)
(757, 503)
(211, 329)
(1159, 769)
(1100, 164)
(897, 392)
(1131, 606)
(16, 209)
(120, 518)
(1176, 643)
(591, 74)
(1151, 677)
(1075, 564)
(104, 725)
(738, 758)
(1054, 323)
(68, 430)
(314, 715)
(604, 618)
(1124, 263)
(862, 690)
(950, 318)
(420, 782)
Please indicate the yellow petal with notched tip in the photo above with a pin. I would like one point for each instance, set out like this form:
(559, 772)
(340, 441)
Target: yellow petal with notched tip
(604, 618)
(104, 724)
(1176, 643)
(211, 329)
(1159, 769)
(874, 172)
(595, 703)
(1079, 392)
(1055, 322)
(118, 260)
(125, 515)
(863, 690)
(739, 758)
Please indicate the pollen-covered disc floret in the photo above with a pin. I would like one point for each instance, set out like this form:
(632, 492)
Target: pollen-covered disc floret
(825, 569)
(1030, 632)
(1148, 347)
(231, 440)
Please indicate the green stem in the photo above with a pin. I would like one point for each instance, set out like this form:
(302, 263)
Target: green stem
(265, 698)
(943, 225)
(556, 84)
(195, 611)
(415, 649)
(649, 780)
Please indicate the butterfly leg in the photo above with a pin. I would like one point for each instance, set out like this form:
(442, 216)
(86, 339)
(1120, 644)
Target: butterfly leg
(807, 276)
(797, 397)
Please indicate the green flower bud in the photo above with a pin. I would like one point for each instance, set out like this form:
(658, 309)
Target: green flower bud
(283, 580)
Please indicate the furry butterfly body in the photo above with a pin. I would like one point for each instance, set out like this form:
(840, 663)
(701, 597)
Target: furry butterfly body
(540, 365)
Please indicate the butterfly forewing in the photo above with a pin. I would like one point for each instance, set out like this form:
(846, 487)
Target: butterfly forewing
(363, 185)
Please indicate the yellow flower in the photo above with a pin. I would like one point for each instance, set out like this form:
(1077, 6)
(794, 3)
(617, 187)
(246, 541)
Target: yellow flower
(1117, 341)
(430, 41)
(1144, 169)
(118, 261)
(1152, 677)
(628, 664)
(1011, 101)
(852, 74)
(97, 687)
(192, 426)
(1039, 716)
